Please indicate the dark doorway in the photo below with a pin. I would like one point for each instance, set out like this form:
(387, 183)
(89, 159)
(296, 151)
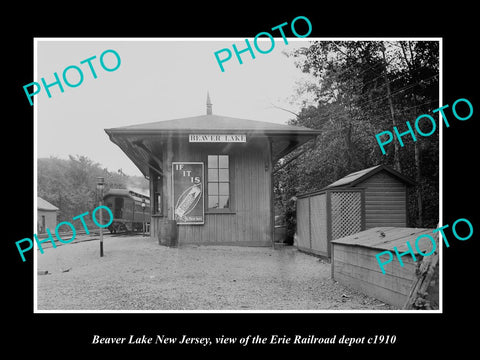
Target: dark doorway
(118, 208)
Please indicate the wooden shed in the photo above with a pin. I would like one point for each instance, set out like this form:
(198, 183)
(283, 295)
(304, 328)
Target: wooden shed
(326, 215)
(368, 198)
(211, 174)
(355, 265)
(385, 194)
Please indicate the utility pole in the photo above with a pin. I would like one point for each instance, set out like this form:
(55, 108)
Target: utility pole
(396, 159)
(143, 210)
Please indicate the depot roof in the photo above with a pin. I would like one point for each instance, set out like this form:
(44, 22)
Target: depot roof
(212, 124)
(139, 141)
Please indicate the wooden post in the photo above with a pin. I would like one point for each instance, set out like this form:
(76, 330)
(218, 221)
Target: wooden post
(101, 222)
(396, 158)
(328, 203)
(310, 222)
(332, 261)
(272, 194)
(168, 189)
(151, 175)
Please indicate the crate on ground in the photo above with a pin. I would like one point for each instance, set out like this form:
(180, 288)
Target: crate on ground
(355, 265)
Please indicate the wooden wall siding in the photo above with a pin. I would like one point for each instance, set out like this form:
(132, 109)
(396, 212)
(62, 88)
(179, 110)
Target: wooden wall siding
(354, 262)
(303, 223)
(385, 201)
(328, 215)
(50, 220)
(250, 220)
(318, 224)
(358, 268)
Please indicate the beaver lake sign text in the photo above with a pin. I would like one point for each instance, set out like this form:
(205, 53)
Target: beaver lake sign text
(217, 138)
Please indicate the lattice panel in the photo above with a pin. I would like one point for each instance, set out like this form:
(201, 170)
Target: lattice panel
(346, 213)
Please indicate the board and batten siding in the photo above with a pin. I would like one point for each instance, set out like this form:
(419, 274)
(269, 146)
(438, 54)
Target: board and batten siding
(250, 221)
(322, 216)
(303, 224)
(385, 201)
(319, 225)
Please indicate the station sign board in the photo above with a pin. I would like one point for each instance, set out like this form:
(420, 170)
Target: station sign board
(217, 138)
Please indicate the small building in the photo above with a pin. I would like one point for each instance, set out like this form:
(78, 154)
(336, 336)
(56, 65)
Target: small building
(211, 174)
(385, 194)
(365, 199)
(46, 215)
(355, 265)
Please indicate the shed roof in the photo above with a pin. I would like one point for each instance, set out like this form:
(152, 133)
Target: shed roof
(386, 238)
(354, 178)
(45, 205)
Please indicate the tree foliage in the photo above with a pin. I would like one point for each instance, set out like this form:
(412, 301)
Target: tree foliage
(362, 88)
(70, 184)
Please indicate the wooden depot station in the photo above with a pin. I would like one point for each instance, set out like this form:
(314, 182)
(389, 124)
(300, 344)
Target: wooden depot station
(211, 174)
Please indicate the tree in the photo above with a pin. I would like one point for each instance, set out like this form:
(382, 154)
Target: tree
(71, 184)
(363, 88)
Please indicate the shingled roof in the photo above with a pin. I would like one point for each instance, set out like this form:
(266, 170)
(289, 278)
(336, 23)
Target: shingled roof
(140, 141)
(212, 124)
(354, 178)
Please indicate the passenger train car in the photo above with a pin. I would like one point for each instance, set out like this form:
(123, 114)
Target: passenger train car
(128, 212)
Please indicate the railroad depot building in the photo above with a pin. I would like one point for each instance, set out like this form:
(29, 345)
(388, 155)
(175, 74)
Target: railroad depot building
(212, 174)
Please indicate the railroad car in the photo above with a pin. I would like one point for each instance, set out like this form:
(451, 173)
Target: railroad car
(127, 210)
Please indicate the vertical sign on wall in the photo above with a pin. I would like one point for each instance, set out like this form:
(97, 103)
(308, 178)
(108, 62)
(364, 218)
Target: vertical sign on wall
(188, 192)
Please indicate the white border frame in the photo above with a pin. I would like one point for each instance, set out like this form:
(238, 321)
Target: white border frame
(307, 39)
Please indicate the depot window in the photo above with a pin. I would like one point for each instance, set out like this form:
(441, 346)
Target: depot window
(218, 178)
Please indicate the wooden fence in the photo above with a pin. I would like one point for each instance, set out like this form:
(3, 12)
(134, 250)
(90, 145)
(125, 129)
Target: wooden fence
(328, 215)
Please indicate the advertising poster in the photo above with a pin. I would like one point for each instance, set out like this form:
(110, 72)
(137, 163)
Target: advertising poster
(188, 193)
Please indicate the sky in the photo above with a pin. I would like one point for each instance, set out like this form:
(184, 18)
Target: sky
(160, 79)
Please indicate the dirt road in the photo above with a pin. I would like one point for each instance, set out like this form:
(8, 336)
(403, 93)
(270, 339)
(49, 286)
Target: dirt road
(138, 274)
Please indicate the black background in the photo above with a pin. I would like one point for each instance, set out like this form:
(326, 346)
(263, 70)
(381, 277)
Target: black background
(66, 335)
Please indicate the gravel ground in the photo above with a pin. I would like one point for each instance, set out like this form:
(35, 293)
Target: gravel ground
(138, 274)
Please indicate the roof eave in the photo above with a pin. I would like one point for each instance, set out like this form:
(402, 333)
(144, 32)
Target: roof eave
(393, 172)
(120, 131)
